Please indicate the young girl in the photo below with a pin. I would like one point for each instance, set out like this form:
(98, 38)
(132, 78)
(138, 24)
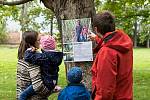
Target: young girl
(48, 60)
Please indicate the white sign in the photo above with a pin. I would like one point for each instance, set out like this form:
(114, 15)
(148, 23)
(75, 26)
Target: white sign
(83, 51)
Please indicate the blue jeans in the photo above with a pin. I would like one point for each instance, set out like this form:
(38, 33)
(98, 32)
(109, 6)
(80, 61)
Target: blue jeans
(29, 91)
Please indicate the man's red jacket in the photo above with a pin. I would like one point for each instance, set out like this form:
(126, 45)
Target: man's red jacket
(112, 68)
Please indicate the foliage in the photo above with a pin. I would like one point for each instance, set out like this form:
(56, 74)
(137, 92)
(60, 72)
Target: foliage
(9, 11)
(58, 41)
(98, 5)
(5, 13)
(30, 20)
(3, 34)
(27, 14)
(145, 30)
(128, 12)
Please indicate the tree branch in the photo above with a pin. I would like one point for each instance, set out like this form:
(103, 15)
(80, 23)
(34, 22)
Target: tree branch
(14, 2)
(48, 4)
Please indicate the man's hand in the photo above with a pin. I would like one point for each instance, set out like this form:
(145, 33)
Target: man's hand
(92, 36)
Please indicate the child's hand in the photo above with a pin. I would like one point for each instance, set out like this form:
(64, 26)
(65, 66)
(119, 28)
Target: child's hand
(33, 49)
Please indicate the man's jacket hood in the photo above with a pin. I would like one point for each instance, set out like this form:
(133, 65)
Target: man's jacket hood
(117, 40)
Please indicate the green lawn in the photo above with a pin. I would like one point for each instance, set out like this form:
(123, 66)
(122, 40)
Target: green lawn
(8, 60)
(141, 74)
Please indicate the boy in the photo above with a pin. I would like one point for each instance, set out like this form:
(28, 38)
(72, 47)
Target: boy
(75, 89)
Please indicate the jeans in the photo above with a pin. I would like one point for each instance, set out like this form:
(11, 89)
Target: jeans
(29, 91)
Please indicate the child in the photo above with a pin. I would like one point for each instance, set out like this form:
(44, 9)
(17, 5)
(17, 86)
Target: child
(75, 89)
(48, 60)
(84, 34)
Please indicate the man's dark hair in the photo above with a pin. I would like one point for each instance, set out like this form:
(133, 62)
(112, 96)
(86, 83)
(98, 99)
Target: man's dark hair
(104, 22)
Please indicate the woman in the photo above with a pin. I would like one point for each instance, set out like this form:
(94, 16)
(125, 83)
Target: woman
(30, 74)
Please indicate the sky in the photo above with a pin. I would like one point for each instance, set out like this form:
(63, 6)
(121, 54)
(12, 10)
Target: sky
(11, 25)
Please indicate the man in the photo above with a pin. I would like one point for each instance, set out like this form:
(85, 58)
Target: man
(78, 30)
(112, 67)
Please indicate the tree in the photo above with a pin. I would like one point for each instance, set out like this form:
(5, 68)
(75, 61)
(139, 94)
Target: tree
(28, 14)
(5, 13)
(128, 13)
(3, 34)
(24, 17)
(145, 32)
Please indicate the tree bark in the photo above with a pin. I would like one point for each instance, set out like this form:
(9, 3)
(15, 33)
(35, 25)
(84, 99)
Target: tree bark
(51, 25)
(148, 43)
(24, 17)
(148, 40)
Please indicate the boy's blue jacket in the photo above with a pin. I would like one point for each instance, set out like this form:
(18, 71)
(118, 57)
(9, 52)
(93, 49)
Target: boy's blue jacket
(74, 92)
(48, 62)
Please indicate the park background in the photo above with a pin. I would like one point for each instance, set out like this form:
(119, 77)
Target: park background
(133, 16)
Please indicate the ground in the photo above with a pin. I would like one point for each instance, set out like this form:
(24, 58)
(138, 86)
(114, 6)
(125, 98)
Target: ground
(8, 60)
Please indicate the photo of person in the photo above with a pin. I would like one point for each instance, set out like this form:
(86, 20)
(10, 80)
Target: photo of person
(68, 47)
(83, 37)
(68, 57)
(76, 30)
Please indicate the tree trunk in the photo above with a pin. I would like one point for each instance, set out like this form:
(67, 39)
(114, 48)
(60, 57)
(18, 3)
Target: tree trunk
(148, 43)
(135, 34)
(148, 40)
(51, 25)
(23, 17)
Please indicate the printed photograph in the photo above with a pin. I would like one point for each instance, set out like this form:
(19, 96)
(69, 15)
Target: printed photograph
(76, 30)
(68, 57)
(68, 47)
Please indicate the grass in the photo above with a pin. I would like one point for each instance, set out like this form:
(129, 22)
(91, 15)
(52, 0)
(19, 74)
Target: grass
(141, 58)
(141, 74)
(8, 60)
(7, 73)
